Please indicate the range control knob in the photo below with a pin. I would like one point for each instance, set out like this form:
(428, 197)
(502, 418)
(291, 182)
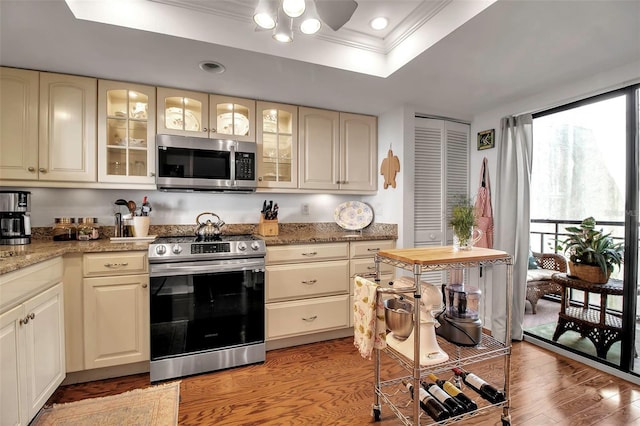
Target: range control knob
(242, 246)
(161, 250)
(255, 245)
(176, 249)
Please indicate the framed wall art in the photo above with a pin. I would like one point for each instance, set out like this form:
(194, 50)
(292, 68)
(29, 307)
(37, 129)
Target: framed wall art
(486, 139)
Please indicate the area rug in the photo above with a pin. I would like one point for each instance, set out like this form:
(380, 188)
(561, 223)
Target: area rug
(153, 406)
(574, 341)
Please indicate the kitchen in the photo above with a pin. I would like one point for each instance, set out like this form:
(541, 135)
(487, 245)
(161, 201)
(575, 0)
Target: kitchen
(394, 128)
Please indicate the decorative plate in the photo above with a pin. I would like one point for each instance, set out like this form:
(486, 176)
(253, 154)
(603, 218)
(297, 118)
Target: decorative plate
(239, 122)
(173, 120)
(353, 215)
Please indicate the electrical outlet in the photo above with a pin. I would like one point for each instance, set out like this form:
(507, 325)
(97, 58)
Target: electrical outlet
(305, 209)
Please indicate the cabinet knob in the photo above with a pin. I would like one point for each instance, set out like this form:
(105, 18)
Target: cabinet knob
(260, 178)
(42, 170)
(152, 174)
(144, 285)
(205, 130)
(31, 169)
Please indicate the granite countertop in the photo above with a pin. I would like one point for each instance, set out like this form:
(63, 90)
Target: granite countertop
(43, 248)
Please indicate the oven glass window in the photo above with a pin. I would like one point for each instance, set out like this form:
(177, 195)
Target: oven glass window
(194, 163)
(192, 313)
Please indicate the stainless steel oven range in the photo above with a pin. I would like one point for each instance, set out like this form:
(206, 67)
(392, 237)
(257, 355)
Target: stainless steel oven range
(207, 304)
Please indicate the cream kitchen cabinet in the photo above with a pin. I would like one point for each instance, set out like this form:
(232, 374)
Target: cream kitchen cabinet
(115, 308)
(232, 118)
(182, 112)
(63, 146)
(126, 132)
(362, 262)
(277, 139)
(32, 356)
(338, 151)
(186, 113)
(307, 289)
(19, 91)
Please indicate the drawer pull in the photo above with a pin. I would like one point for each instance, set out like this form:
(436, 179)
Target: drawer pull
(373, 249)
(116, 265)
(309, 319)
(371, 268)
(310, 282)
(312, 253)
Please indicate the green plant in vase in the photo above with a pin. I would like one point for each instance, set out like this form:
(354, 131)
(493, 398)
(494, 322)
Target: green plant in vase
(590, 249)
(462, 221)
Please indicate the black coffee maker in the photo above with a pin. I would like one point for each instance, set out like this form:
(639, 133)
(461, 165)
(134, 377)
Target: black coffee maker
(15, 222)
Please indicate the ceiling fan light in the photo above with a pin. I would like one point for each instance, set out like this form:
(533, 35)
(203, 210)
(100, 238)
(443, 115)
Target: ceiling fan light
(310, 26)
(264, 20)
(379, 23)
(283, 32)
(293, 8)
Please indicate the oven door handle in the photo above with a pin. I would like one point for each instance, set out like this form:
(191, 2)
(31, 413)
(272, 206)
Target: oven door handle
(160, 270)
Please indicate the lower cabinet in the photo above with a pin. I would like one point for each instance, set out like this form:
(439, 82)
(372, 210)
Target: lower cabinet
(32, 356)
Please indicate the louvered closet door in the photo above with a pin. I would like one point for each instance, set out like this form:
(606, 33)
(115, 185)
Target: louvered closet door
(441, 171)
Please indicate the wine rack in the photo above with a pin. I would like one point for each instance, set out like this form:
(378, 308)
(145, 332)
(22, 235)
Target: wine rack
(391, 392)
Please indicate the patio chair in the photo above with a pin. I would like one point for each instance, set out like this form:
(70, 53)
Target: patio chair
(539, 280)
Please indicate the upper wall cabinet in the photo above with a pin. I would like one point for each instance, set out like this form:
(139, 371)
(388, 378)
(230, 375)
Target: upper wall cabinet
(232, 118)
(183, 113)
(48, 126)
(338, 151)
(19, 91)
(277, 139)
(126, 132)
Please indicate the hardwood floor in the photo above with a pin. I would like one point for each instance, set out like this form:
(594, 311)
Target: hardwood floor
(330, 384)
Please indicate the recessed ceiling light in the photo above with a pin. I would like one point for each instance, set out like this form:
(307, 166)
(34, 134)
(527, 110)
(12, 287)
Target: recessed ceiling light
(379, 23)
(212, 67)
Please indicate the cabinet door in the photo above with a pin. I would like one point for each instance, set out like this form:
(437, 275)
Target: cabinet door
(232, 118)
(183, 113)
(358, 152)
(67, 145)
(116, 320)
(319, 144)
(13, 408)
(277, 139)
(44, 347)
(18, 124)
(126, 132)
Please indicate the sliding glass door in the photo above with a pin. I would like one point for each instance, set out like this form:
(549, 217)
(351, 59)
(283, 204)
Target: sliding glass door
(585, 164)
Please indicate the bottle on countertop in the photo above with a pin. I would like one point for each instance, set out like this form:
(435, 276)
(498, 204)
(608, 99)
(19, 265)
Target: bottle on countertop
(484, 389)
(429, 404)
(444, 398)
(88, 229)
(457, 394)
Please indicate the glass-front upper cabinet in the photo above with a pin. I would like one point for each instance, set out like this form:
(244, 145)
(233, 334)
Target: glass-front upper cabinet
(277, 139)
(126, 132)
(183, 113)
(232, 118)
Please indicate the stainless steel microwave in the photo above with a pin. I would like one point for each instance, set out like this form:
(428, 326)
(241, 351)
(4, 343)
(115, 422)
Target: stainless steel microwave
(197, 164)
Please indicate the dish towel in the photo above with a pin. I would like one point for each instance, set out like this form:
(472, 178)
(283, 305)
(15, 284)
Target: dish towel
(369, 328)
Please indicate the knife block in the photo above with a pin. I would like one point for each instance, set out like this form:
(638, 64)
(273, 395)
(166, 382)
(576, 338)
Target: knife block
(268, 228)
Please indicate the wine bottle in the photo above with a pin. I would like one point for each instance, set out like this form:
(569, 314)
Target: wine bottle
(457, 394)
(429, 404)
(444, 398)
(484, 389)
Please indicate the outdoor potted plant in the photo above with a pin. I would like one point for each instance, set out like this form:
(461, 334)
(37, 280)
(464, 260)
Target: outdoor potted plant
(463, 222)
(592, 253)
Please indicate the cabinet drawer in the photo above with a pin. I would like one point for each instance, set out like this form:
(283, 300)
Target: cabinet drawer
(307, 280)
(369, 248)
(307, 252)
(368, 266)
(115, 263)
(307, 316)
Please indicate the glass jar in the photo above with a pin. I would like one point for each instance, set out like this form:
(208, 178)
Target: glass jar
(88, 228)
(64, 229)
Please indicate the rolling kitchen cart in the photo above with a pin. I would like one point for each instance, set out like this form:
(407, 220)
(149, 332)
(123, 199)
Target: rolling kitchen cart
(419, 261)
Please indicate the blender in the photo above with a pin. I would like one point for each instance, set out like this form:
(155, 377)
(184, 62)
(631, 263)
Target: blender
(460, 322)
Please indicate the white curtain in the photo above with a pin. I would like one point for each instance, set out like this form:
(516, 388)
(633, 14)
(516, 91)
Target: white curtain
(512, 221)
